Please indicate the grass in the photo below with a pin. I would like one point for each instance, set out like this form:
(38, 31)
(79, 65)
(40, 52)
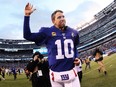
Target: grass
(91, 77)
(21, 81)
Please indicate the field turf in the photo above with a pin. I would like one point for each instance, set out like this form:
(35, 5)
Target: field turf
(91, 77)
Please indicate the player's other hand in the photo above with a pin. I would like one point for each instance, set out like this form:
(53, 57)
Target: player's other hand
(77, 61)
(29, 9)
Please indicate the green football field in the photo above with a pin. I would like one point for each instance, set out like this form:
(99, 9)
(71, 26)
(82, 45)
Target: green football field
(91, 77)
(21, 81)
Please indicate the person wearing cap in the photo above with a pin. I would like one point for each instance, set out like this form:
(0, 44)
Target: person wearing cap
(40, 71)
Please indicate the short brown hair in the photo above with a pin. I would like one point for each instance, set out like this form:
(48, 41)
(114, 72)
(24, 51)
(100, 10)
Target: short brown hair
(53, 14)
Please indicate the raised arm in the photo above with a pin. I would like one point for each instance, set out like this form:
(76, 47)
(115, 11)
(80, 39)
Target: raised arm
(38, 37)
(26, 27)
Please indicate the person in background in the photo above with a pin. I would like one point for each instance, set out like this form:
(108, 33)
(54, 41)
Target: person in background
(3, 72)
(98, 55)
(39, 69)
(79, 70)
(61, 42)
(1, 78)
(14, 71)
(19, 71)
(87, 62)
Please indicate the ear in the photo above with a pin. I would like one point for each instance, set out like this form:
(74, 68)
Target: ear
(53, 21)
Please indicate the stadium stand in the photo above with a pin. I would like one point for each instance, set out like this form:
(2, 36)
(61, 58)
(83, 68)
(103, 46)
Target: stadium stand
(100, 32)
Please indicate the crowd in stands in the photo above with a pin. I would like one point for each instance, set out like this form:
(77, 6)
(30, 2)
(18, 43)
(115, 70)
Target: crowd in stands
(98, 29)
(105, 47)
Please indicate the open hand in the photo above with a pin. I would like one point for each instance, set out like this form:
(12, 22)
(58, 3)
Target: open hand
(29, 9)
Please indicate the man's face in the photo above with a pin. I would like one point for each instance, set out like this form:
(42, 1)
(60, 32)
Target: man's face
(59, 20)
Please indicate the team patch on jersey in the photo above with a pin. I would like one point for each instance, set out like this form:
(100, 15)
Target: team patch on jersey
(72, 34)
(53, 33)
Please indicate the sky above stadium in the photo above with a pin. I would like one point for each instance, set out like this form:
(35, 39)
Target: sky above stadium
(76, 12)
